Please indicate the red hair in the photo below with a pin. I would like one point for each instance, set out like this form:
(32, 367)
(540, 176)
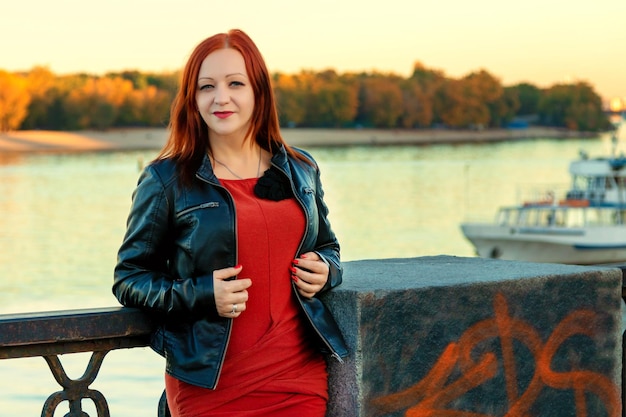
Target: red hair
(188, 139)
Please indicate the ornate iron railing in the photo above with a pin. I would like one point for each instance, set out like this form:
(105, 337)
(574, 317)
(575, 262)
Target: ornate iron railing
(49, 334)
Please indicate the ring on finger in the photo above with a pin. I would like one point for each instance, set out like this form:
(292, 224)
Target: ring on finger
(234, 310)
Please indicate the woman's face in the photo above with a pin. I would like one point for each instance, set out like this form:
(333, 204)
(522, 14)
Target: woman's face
(224, 97)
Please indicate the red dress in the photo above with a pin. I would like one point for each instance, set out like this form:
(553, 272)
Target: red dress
(270, 367)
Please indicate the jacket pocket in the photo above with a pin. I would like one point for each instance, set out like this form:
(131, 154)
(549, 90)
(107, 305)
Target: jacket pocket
(210, 204)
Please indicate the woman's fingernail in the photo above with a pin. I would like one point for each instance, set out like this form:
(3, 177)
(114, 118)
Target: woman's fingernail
(238, 266)
(295, 261)
(303, 256)
(294, 278)
(292, 269)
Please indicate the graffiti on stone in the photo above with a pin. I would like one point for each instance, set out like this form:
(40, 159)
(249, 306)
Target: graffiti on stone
(457, 371)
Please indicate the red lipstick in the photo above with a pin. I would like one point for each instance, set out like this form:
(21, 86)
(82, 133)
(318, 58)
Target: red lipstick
(222, 114)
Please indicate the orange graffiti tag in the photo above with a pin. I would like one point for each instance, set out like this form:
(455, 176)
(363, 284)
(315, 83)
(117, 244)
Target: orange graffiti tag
(430, 396)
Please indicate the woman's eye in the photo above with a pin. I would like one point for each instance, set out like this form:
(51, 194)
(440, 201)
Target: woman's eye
(236, 83)
(206, 86)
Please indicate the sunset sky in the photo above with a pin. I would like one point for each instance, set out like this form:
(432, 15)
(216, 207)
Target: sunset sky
(538, 41)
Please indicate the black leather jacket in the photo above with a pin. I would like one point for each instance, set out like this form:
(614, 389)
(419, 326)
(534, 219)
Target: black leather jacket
(177, 236)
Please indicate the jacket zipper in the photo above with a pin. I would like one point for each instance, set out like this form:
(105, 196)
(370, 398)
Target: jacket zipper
(230, 321)
(293, 285)
(210, 204)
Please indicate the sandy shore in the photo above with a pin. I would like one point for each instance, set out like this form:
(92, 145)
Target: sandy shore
(154, 138)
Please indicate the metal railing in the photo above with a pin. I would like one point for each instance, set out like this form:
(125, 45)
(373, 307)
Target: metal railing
(49, 334)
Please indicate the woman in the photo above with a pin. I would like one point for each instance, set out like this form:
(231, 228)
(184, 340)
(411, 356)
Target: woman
(228, 245)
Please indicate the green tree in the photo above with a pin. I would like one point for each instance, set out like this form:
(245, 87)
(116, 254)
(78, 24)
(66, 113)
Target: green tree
(505, 108)
(573, 106)
(528, 97)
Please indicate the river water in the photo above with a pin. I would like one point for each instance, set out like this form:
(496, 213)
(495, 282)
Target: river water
(62, 217)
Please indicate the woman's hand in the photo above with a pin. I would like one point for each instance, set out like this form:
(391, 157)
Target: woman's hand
(230, 294)
(310, 274)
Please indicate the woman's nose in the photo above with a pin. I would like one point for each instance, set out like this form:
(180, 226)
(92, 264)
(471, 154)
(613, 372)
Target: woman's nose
(221, 96)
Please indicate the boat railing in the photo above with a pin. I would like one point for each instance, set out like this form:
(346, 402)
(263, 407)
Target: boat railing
(561, 216)
(540, 194)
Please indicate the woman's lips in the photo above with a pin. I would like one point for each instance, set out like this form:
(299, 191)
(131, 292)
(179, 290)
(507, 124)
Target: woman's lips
(222, 114)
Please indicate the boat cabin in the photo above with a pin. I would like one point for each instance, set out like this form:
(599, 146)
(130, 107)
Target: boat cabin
(600, 181)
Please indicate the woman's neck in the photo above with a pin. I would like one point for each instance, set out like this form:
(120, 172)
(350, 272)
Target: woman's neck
(237, 162)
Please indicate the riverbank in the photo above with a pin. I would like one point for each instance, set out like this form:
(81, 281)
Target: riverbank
(154, 138)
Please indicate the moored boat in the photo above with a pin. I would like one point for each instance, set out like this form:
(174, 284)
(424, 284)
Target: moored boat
(585, 226)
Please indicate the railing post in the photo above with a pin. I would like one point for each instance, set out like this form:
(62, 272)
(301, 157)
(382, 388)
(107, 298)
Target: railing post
(76, 390)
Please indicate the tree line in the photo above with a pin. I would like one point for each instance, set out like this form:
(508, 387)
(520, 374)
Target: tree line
(40, 99)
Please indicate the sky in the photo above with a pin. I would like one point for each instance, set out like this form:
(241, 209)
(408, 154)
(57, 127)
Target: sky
(542, 42)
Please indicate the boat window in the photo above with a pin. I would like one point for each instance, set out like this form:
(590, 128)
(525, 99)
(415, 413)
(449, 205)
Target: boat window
(580, 183)
(507, 217)
(574, 217)
(545, 217)
(600, 217)
(525, 217)
(503, 217)
(608, 217)
(559, 218)
(534, 217)
(598, 183)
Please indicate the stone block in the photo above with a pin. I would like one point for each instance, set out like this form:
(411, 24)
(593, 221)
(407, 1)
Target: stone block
(450, 336)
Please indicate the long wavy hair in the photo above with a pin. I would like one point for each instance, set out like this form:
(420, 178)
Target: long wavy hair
(188, 139)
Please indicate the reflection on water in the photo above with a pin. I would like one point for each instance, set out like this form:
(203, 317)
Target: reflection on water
(62, 218)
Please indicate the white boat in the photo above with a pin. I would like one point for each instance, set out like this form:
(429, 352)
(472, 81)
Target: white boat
(586, 226)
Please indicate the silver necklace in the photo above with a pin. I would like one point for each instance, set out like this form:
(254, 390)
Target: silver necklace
(258, 168)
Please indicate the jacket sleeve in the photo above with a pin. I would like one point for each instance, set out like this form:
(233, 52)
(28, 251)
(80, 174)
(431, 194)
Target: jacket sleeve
(141, 276)
(327, 245)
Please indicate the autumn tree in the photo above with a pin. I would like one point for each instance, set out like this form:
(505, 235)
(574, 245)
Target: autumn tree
(419, 94)
(485, 93)
(152, 106)
(417, 108)
(330, 102)
(381, 100)
(470, 101)
(40, 82)
(97, 102)
(290, 99)
(148, 103)
(449, 103)
(40, 100)
(14, 100)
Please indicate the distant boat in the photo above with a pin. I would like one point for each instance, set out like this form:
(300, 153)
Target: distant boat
(585, 226)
